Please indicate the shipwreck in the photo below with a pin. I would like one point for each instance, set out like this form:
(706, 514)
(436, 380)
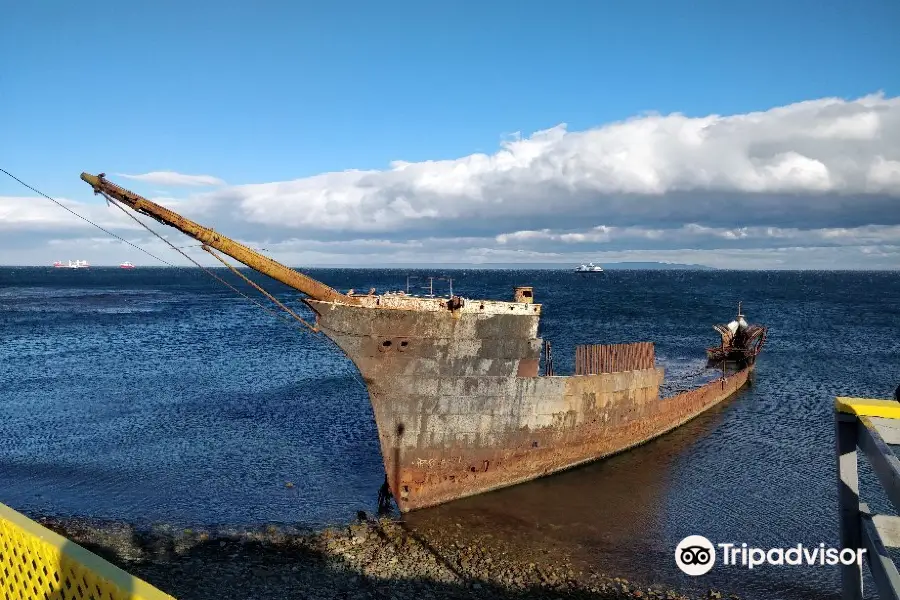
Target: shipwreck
(460, 399)
(741, 341)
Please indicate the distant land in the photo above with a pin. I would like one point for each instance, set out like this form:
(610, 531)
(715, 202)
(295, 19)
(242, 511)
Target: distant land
(659, 266)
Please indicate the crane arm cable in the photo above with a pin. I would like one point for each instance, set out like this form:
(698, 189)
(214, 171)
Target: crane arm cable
(148, 253)
(259, 288)
(63, 206)
(115, 203)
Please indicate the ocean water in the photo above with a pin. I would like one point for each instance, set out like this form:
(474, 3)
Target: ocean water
(158, 395)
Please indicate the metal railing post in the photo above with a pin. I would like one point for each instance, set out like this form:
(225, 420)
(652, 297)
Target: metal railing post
(846, 439)
(869, 426)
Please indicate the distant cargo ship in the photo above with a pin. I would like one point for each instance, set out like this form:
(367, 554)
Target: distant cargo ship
(126, 265)
(78, 264)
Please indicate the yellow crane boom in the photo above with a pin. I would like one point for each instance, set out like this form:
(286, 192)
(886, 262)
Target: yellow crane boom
(265, 265)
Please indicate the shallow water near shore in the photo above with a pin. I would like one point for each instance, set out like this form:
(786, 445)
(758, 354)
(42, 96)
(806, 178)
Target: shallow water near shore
(157, 395)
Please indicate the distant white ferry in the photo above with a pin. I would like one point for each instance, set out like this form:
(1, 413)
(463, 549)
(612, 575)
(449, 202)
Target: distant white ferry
(78, 264)
(126, 265)
(589, 268)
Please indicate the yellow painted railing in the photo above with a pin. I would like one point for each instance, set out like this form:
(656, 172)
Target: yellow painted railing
(38, 564)
(868, 407)
(871, 426)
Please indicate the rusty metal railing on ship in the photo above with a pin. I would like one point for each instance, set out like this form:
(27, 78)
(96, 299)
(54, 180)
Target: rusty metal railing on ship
(871, 426)
(38, 564)
(592, 359)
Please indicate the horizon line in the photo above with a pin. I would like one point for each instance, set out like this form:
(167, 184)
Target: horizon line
(488, 266)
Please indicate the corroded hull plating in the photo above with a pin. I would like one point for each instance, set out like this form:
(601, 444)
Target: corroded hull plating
(460, 407)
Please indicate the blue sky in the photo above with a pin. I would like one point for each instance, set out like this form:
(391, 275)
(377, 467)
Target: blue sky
(283, 92)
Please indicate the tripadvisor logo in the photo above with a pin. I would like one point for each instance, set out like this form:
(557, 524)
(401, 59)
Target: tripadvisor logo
(695, 555)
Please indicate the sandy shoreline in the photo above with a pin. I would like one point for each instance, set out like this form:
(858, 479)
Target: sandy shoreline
(369, 559)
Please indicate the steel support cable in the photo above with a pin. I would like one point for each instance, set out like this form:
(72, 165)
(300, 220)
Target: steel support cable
(259, 288)
(205, 269)
(148, 253)
(64, 207)
(353, 374)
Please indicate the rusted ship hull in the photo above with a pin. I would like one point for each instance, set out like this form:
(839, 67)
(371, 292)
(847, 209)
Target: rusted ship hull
(455, 386)
(582, 425)
(461, 409)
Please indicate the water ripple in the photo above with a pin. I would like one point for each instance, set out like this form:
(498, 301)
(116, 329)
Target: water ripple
(157, 394)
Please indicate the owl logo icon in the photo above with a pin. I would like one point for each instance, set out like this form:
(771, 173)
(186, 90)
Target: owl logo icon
(695, 555)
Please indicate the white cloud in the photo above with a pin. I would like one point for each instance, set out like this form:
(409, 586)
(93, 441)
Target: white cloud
(171, 178)
(884, 175)
(810, 185)
(23, 213)
(810, 153)
(710, 237)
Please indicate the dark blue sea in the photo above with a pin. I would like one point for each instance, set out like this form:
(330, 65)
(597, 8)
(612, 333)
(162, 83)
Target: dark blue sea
(159, 395)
